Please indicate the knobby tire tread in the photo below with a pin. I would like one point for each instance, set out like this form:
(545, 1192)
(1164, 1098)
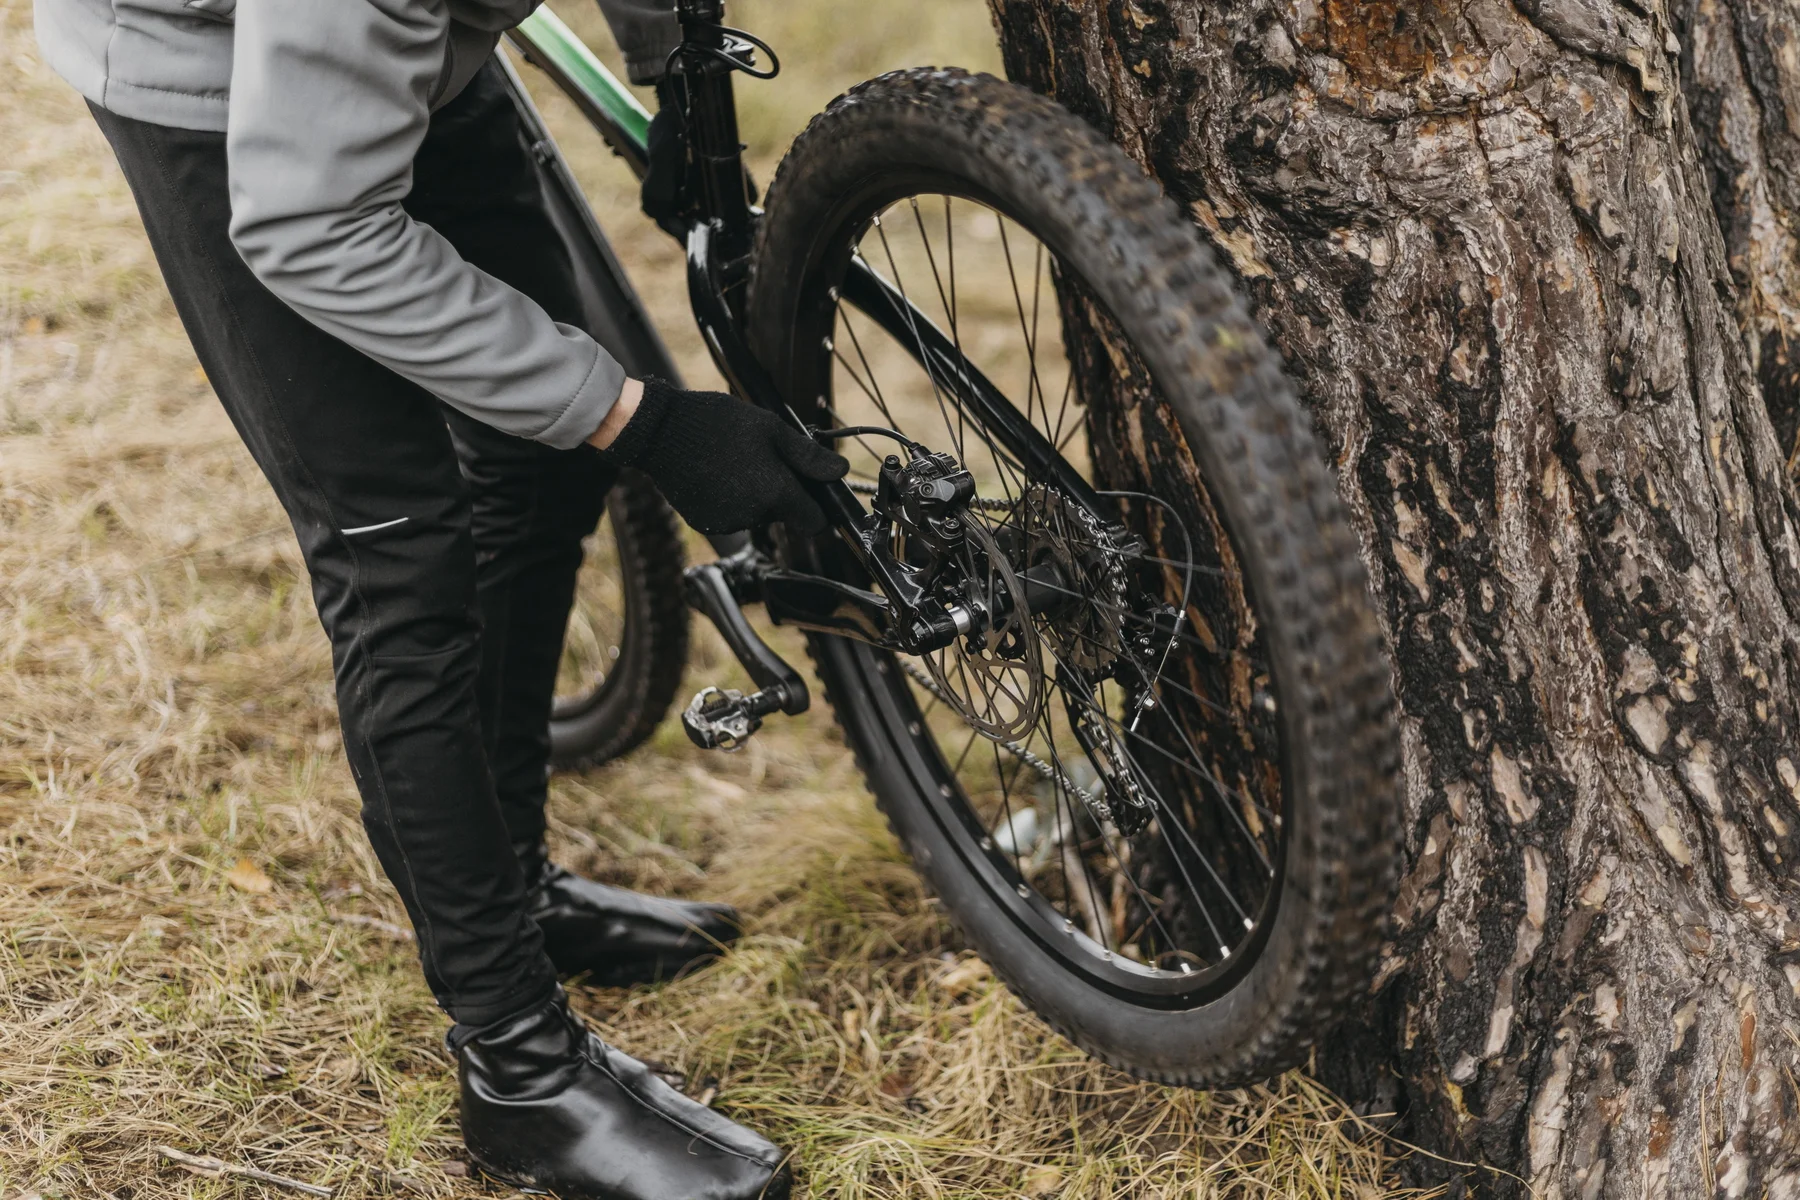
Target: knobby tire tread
(1314, 584)
(653, 658)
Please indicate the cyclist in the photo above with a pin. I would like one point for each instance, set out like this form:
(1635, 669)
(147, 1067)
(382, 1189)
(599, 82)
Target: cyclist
(345, 211)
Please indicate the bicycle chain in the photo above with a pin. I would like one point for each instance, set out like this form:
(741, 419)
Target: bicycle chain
(1047, 771)
(1114, 558)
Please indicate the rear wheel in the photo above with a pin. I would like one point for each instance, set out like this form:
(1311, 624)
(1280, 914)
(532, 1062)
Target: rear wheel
(1160, 793)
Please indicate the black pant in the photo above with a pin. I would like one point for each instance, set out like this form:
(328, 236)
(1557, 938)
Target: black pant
(443, 553)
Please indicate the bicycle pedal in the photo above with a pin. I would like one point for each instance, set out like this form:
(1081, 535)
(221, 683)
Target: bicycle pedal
(725, 718)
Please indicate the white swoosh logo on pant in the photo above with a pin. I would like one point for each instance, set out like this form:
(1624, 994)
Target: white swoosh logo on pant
(373, 528)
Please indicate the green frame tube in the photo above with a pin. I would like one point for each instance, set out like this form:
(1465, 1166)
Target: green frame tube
(552, 46)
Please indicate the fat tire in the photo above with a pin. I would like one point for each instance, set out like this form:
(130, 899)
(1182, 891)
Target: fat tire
(1254, 444)
(631, 702)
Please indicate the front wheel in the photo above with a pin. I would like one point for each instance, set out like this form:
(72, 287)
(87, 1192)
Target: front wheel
(1159, 791)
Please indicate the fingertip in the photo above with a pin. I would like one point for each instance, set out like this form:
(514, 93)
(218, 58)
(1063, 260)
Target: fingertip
(806, 521)
(827, 465)
(816, 462)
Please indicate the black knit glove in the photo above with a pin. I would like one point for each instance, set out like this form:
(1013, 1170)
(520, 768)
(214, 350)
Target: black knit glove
(723, 464)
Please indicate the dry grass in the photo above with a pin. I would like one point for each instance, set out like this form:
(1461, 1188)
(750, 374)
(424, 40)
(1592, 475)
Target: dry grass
(165, 709)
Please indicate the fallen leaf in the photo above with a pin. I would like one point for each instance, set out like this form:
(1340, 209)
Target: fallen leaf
(896, 1084)
(455, 1169)
(964, 977)
(248, 877)
(1043, 1181)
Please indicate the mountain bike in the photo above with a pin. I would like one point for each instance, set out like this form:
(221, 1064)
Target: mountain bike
(1089, 614)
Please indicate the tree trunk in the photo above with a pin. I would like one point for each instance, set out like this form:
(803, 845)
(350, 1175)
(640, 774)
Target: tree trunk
(1483, 235)
(1740, 68)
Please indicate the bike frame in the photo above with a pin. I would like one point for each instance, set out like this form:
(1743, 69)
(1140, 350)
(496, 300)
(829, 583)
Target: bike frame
(717, 227)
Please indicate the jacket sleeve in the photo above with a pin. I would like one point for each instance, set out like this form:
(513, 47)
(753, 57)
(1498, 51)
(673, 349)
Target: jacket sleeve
(646, 31)
(329, 102)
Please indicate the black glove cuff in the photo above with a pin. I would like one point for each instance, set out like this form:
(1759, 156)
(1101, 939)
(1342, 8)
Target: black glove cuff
(640, 433)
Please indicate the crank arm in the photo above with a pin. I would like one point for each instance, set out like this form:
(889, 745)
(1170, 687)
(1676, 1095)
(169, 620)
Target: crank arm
(827, 606)
(721, 719)
(711, 592)
(812, 602)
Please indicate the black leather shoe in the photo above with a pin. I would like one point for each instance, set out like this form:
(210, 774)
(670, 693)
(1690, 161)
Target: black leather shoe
(546, 1104)
(617, 937)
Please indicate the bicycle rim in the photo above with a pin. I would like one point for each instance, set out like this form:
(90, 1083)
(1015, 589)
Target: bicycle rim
(1141, 844)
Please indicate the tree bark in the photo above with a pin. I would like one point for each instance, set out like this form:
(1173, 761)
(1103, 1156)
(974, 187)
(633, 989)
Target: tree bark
(1740, 67)
(1483, 235)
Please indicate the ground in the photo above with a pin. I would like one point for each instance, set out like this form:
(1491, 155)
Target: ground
(197, 949)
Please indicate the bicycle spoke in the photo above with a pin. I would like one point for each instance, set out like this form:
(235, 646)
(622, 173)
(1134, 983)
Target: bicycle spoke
(1011, 824)
(1197, 568)
(1032, 383)
(1225, 790)
(943, 296)
(1121, 870)
(1037, 292)
(1174, 893)
(1085, 899)
(937, 280)
(1137, 771)
(947, 299)
(1200, 771)
(950, 253)
(924, 359)
(1106, 606)
(1063, 443)
(956, 771)
(856, 343)
(940, 389)
(855, 378)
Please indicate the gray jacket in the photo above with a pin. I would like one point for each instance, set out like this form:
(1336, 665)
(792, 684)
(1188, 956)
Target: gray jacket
(323, 104)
